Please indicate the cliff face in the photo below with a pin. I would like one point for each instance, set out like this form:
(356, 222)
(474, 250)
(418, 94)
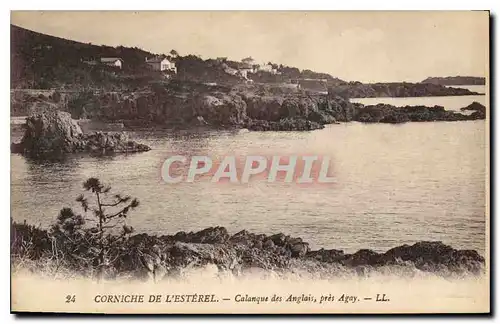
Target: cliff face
(210, 105)
(253, 107)
(219, 108)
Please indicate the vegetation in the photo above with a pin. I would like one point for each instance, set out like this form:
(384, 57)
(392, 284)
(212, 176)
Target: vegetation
(46, 62)
(82, 244)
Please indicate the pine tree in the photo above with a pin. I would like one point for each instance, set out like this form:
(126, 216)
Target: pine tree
(96, 240)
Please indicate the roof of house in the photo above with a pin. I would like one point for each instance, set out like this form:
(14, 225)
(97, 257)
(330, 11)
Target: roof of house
(238, 65)
(156, 60)
(110, 59)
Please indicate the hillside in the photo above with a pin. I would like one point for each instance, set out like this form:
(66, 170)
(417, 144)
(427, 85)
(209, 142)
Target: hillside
(41, 61)
(456, 80)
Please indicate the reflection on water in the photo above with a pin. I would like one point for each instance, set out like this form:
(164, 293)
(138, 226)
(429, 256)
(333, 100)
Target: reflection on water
(395, 184)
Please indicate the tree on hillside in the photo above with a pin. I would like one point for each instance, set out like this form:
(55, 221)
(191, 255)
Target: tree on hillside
(96, 241)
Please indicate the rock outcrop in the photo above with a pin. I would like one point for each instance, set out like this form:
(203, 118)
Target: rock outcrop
(396, 89)
(286, 124)
(218, 108)
(383, 113)
(478, 110)
(52, 131)
(456, 80)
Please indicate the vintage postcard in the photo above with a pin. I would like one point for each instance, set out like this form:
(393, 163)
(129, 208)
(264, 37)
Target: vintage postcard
(271, 162)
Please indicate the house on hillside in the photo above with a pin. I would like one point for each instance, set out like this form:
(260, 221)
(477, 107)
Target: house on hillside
(268, 68)
(244, 69)
(230, 70)
(112, 61)
(161, 64)
(248, 60)
(238, 69)
(293, 83)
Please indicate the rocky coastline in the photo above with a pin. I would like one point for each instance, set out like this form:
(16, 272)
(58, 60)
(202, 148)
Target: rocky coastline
(398, 90)
(255, 107)
(456, 80)
(384, 113)
(159, 257)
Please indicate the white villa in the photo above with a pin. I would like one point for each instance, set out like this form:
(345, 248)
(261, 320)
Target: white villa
(244, 69)
(112, 61)
(268, 68)
(248, 60)
(109, 61)
(161, 64)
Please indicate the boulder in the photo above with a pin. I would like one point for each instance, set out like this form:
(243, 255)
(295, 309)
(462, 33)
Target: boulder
(299, 249)
(268, 244)
(329, 256)
(198, 254)
(248, 239)
(432, 255)
(479, 111)
(211, 235)
(362, 257)
(278, 239)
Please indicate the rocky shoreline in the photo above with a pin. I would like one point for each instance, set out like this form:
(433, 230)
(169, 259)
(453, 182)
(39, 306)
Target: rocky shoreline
(384, 113)
(317, 119)
(456, 80)
(398, 90)
(50, 130)
(158, 257)
(260, 107)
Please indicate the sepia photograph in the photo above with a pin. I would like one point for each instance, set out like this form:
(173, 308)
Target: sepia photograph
(250, 162)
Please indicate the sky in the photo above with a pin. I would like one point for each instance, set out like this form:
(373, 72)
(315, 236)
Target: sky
(363, 46)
